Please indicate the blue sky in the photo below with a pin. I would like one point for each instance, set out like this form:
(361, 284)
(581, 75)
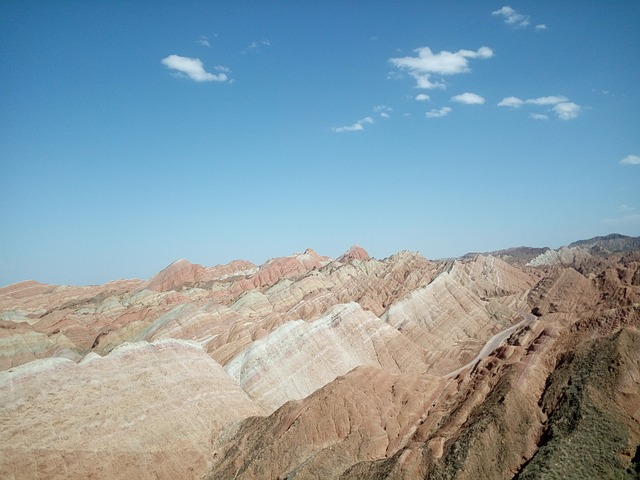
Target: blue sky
(136, 133)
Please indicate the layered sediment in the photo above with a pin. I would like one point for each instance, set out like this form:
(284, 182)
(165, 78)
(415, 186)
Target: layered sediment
(307, 367)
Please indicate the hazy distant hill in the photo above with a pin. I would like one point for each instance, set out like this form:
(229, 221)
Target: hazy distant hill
(606, 245)
(517, 255)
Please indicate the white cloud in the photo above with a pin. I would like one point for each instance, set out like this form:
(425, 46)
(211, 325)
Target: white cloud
(513, 102)
(356, 127)
(435, 113)
(539, 27)
(513, 18)
(424, 81)
(468, 99)
(561, 106)
(204, 41)
(442, 63)
(630, 160)
(193, 68)
(552, 100)
(567, 110)
(422, 97)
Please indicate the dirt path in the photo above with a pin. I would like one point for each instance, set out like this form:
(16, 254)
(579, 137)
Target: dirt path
(494, 342)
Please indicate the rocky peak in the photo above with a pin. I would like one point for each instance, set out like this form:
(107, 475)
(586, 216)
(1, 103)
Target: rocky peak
(356, 252)
(178, 273)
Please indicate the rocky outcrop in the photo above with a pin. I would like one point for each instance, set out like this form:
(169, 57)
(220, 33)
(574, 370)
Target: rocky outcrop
(565, 256)
(363, 415)
(484, 295)
(539, 407)
(299, 357)
(564, 290)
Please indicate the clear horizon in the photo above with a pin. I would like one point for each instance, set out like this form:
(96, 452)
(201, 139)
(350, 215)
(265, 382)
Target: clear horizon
(133, 135)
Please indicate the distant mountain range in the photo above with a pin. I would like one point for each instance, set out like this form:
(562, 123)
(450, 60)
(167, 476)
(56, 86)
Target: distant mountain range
(597, 246)
(520, 363)
(609, 244)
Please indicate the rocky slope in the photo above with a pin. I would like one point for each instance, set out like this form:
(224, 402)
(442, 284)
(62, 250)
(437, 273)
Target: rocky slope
(145, 410)
(308, 367)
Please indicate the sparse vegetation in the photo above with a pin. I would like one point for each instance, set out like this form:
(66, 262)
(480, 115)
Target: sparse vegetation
(585, 436)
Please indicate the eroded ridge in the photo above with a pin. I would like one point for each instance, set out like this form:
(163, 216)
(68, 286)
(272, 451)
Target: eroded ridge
(521, 363)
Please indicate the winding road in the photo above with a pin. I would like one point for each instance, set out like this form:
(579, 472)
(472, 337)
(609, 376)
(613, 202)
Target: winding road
(494, 342)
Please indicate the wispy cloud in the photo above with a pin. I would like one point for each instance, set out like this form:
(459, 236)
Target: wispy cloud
(422, 97)
(468, 98)
(427, 63)
(513, 18)
(435, 113)
(630, 160)
(204, 41)
(540, 27)
(383, 111)
(538, 116)
(193, 69)
(551, 100)
(257, 46)
(356, 127)
(561, 106)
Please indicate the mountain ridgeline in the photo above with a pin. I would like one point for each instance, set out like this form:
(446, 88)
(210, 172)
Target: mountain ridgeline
(515, 364)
